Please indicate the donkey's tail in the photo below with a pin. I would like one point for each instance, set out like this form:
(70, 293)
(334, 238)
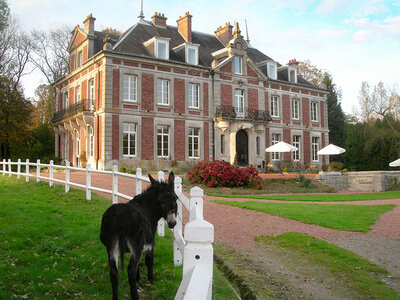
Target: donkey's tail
(122, 248)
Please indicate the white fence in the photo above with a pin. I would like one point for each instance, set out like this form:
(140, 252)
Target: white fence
(193, 249)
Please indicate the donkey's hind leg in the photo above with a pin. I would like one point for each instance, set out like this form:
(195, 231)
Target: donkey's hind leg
(149, 259)
(133, 270)
(113, 264)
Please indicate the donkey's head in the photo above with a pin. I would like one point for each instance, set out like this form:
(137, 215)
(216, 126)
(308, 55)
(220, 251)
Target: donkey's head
(166, 199)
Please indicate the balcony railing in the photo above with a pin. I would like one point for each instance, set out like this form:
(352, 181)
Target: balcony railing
(248, 114)
(83, 105)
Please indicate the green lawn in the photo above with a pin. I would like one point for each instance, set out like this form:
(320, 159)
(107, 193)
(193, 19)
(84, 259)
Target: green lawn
(50, 248)
(345, 265)
(321, 197)
(342, 217)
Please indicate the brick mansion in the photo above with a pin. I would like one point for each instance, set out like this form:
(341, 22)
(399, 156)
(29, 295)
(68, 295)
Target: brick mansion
(159, 91)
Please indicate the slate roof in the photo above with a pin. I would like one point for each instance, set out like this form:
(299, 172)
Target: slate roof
(131, 42)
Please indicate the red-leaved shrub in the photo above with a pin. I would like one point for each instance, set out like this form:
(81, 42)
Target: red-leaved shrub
(223, 174)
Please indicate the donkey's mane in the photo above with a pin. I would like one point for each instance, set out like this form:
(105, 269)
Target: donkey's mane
(150, 189)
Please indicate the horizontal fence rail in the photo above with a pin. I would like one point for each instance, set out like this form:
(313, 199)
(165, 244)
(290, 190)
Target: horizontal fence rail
(192, 248)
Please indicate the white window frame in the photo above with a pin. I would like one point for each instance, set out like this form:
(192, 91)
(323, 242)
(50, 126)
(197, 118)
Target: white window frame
(129, 88)
(90, 150)
(163, 135)
(194, 143)
(238, 65)
(294, 70)
(162, 96)
(275, 106)
(275, 74)
(166, 43)
(193, 95)
(131, 132)
(79, 58)
(296, 140)
(66, 100)
(222, 144)
(314, 148)
(78, 142)
(295, 109)
(314, 111)
(91, 89)
(77, 93)
(196, 54)
(239, 103)
(275, 138)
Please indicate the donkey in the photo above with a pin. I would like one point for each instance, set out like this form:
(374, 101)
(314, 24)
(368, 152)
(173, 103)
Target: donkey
(131, 227)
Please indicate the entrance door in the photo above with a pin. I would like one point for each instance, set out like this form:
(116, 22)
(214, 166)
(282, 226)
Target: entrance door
(242, 148)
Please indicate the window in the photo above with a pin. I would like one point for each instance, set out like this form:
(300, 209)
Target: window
(222, 144)
(162, 141)
(162, 48)
(194, 137)
(193, 94)
(258, 145)
(274, 106)
(129, 88)
(129, 139)
(292, 75)
(77, 94)
(80, 59)
(90, 150)
(238, 64)
(295, 109)
(239, 103)
(271, 70)
(191, 55)
(163, 91)
(276, 137)
(314, 148)
(314, 112)
(66, 100)
(78, 143)
(91, 89)
(296, 143)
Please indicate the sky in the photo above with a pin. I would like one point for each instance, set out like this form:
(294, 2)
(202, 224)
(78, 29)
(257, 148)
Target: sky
(354, 41)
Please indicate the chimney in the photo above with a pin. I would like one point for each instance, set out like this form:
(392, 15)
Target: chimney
(88, 24)
(224, 34)
(293, 63)
(185, 26)
(159, 20)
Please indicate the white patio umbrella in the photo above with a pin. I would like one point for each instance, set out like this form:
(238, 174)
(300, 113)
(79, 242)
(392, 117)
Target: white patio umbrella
(281, 147)
(331, 149)
(395, 163)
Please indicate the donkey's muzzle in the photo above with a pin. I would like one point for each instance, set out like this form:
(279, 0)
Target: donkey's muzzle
(171, 221)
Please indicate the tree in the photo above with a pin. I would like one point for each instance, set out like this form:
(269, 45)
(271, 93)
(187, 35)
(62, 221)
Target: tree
(111, 31)
(4, 14)
(50, 54)
(45, 105)
(312, 73)
(364, 99)
(15, 116)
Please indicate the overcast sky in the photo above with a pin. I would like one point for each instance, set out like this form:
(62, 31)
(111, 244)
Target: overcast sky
(354, 40)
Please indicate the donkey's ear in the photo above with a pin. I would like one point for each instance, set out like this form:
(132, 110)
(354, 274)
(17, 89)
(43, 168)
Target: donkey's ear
(171, 179)
(152, 180)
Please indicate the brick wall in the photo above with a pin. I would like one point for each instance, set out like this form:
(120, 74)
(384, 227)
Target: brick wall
(286, 139)
(115, 89)
(148, 92)
(266, 102)
(71, 95)
(227, 68)
(84, 89)
(250, 72)
(322, 146)
(179, 95)
(70, 147)
(85, 53)
(307, 145)
(147, 138)
(322, 115)
(286, 109)
(253, 98)
(306, 111)
(205, 98)
(179, 139)
(267, 142)
(115, 137)
(206, 141)
(226, 95)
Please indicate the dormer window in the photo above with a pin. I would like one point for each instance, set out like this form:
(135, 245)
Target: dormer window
(292, 73)
(237, 61)
(162, 49)
(271, 70)
(192, 56)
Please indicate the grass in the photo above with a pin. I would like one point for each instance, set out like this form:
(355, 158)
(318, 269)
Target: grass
(321, 197)
(50, 248)
(345, 265)
(342, 217)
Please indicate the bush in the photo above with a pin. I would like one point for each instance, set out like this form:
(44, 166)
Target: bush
(345, 170)
(285, 170)
(223, 174)
(324, 167)
(304, 182)
(272, 170)
(335, 166)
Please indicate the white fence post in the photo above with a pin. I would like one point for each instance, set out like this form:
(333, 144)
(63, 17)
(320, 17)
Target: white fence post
(88, 183)
(19, 168)
(4, 166)
(161, 222)
(38, 170)
(114, 184)
(27, 170)
(178, 226)
(51, 174)
(67, 175)
(9, 167)
(138, 181)
(198, 254)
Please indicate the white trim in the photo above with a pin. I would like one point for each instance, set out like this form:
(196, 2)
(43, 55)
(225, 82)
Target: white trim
(272, 63)
(196, 49)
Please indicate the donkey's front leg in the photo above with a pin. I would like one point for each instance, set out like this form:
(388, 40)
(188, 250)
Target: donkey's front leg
(149, 259)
